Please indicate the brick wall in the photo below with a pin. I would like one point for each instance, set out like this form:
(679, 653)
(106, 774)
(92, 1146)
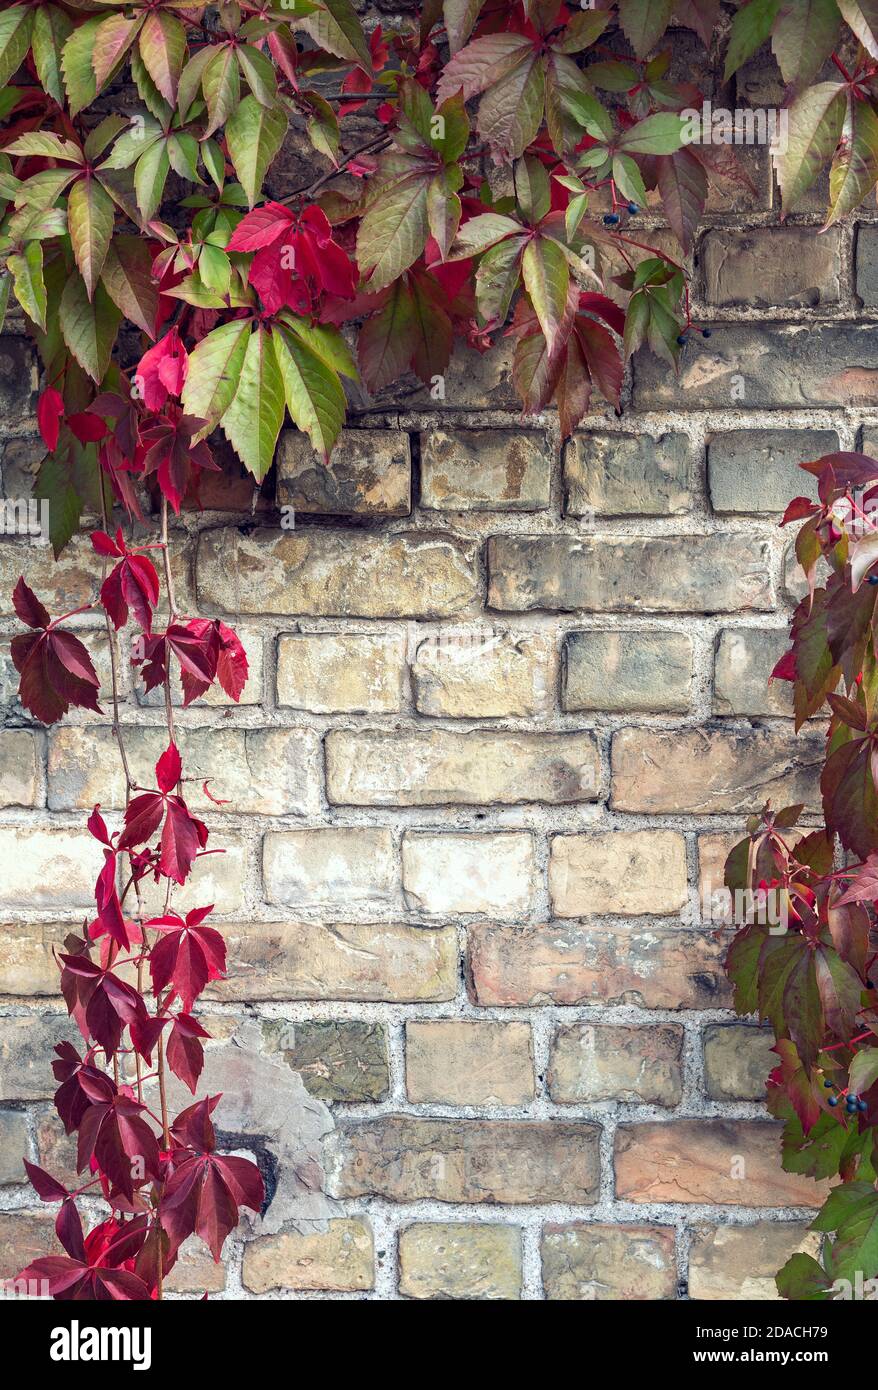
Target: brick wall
(507, 710)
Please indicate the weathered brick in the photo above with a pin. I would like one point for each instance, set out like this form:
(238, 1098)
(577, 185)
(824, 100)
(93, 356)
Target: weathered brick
(368, 474)
(27, 964)
(457, 1062)
(730, 1162)
(765, 366)
(432, 768)
(629, 873)
(758, 470)
(47, 867)
(18, 376)
(867, 265)
(215, 878)
(14, 1146)
(407, 1159)
(563, 963)
(485, 470)
(708, 771)
(737, 1060)
(478, 380)
(740, 1262)
(771, 267)
(359, 961)
(468, 873)
(614, 1062)
(19, 764)
(330, 867)
(482, 674)
(25, 1236)
(341, 672)
(338, 1059)
(56, 1150)
(457, 1260)
(196, 1271)
(620, 672)
(84, 768)
(745, 658)
(597, 1263)
(670, 574)
(628, 475)
(321, 573)
(339, 1259)
(61, 584)
(26, 1043)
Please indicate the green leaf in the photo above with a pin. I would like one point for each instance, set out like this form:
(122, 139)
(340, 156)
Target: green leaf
(90, 216)
(644, 22)
(386, 341)
(325, 341)
(111, 43)
(862, 17)
(103, 134)
(214, 370)
(150, 176)
(547, 281)
(802, 1278)
(127, 275)
(571, 105)
(574, 213)
(221, 85)
(751, 26)
(497, 279)
(252, 422)
(460, 18)
(659, 134)
(443, 212)
(214, 162)
(15, 31)
(132, 143)
(313, 392)
(336, 28)
(453, 142)
(67, 482)
(393, 231)
(854, 171)
(483, 231)
(26, 269)
(5, 290)
(190, 83)
(682, 183)
(149, 92)
(162, 45)
(582, 31)
(803, 38)
(628, 179)
(856, 1249)
(89, 327)
(864, 1070)
(254, 135)
(511, 111)
(259, 73)
(52, 28)
(816, 120)
(323, 131)
(76, 64)
(43, 144)
(532, 189)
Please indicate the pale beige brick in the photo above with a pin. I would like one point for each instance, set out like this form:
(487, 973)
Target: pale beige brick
(50, 868)
(598, 1263)
(623, 671)
(737, 1061)
(341, 672)
(27, 963)
(457, 1062)
(456, 1260)
(740, 1262)
(628, 873)
(333, 867)
(368, 473)
(485, 470)
(19, 768)
(339, 1259)
(468, 873)
(615, 1062)
(484, 674)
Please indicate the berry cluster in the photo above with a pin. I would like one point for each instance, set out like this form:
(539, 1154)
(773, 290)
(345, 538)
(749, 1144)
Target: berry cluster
(853, 1104)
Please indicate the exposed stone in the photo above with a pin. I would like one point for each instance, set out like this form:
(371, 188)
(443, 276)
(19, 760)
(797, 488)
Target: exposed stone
(14, 1146)
(867, 265)
(340, 672)
(630, 873)
(368, 474)
(458, 1062)
(737, 1060)
(332, 867)
(358, 961)
(611, 1062)
(25, 1236)
(338, 1259)
(628, 475)
(745, 659)
(27, 965)
(706, 771)
(56, 1150)
(456, 1260)
(407, 1159)
(468, 873)
(48, 868)
(321, 573)
(196, 1271)
(740, 1262)
(771, 267)
(597, 1263)
(26, 1043)
(625, 671)
(430, 768)
(563, 963)
(730, 1162)
(758, 470)
(485, 470)
(19, 765)
(669, 574)
(338, 1059)
(479, 674)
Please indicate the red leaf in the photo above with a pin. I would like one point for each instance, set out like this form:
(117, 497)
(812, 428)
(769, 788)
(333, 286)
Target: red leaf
(50, 413)
(87, 427)
(186, 955)
(169, 768)
(185, 1053)
(28, 606)
(47, 1188)
(162, 370)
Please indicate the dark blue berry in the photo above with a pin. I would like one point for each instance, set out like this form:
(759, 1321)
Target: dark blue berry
(833, 1100)
(634, 209)
(682, 339)
(706, 332)
(872, 579)
(829, 1085)
(862, 1105)
(611, 218)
